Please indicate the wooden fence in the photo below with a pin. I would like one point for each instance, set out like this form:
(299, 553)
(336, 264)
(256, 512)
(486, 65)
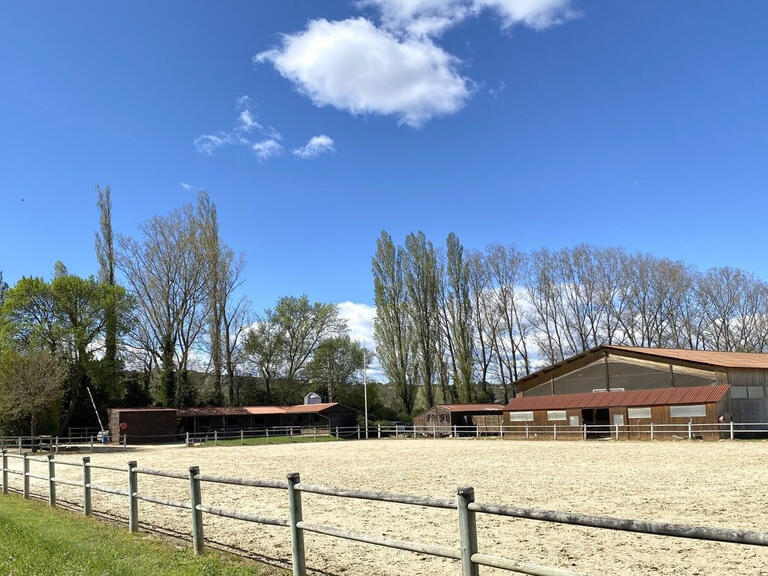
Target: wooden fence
(468, 554)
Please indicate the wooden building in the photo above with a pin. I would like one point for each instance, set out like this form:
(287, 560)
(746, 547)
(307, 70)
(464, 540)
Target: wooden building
(625, 369)
(442, 418)
(143, 425)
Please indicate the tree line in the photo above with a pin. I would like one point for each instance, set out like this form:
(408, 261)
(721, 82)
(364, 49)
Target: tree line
(162, 322)
(460, 325)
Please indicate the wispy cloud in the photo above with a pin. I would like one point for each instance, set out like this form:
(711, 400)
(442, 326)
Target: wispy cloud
(185, 186)
(209, 143)
(267, 149)
(316, 146)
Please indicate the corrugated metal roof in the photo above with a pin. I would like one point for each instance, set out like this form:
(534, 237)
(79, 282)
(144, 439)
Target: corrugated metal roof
(471, 407)
(254, 410)
(722, 359)
(655, 397)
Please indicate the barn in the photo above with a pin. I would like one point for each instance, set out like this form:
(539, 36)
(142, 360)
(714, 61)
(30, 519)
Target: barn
(143, 425)
(623, 385)
(442, 418)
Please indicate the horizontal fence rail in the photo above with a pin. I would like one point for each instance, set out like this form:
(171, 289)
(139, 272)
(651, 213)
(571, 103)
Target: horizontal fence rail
(467, 554)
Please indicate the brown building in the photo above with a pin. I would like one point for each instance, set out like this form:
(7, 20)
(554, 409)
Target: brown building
(442, 418)
(143, 425)
(659, 383)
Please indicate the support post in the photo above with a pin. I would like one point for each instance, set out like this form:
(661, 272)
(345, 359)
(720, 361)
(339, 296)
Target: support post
(25, 468)
(731, 435)
(86, 486)
(5, 471)
(467, 531)
(297, 535)
(196, 499)
(133, 502)
(242, 437)
(51, 481)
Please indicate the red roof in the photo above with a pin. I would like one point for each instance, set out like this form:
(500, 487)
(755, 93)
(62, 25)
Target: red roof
(254, 410)
(656, 397)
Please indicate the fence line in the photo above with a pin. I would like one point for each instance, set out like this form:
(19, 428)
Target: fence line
(468, 555)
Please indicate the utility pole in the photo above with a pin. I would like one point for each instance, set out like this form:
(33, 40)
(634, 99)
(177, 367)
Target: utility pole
(365, 389)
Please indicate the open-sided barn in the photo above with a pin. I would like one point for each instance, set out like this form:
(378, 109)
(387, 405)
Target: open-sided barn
(442, 417)
(143, 425)
(628, 385)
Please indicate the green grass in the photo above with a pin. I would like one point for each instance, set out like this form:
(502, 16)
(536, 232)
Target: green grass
(272, 440)
(38, 541)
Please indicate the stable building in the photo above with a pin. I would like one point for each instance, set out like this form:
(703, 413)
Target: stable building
(622, 385)
(441, 418)
(143, 425)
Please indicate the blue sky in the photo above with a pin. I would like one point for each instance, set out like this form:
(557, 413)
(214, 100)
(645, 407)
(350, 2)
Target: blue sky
(533, 122)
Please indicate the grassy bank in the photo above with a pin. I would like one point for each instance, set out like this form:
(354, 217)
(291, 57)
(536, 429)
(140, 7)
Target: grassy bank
(38, 541)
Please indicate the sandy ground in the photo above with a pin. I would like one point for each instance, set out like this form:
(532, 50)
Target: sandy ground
(713, 484)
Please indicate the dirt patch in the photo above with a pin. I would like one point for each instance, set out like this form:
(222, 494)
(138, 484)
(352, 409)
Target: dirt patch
(713, 484)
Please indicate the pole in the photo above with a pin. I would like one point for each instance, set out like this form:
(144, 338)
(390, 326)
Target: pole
(731, 433)
(25, 468)
(5, 471)
(51, 481)
(365, 389)
(195, 497)
(133, 501)
(242, 437)
(467, 531)
(86, 486)
(297, 535)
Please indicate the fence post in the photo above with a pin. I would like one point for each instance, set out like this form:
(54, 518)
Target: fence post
(242, 437)
(91, 443)
(86, 486)
(378, 430)
(690, 432)
(337, 432)
(358, 432)
(297, 534)
(215, 437)
(196, 499)
(617, 431)
(267, 436)
(57, 444)
(554, 432)
(455, 432)
(434, 430)
(584, 434)
(314, 433)
(5, 471)
(414, 430)
(25, 468)
(133, 502)
(125, 441)
(651, 430)
(526, 431)
(20, 450)
(731, 433)
(467, 531)
(186, 440)
(51, 481)
(501, 430)
(396, 432)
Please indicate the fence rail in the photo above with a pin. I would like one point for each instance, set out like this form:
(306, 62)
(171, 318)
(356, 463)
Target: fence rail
(468, 555)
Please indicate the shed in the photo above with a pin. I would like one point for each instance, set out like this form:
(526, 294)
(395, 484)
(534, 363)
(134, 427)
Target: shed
(441, 418)
(143, 425)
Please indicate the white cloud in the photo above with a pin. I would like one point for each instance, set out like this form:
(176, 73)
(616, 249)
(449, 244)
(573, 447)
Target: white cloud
(317, 145)
(352, 65)
(432, 17)
(209, 143)
(185, 186)
(359, 319)
(267, 149)
(247, 122)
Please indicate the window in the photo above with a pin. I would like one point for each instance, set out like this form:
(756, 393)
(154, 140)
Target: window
(738, 391)
(430, 417)
(755, 392)
(574, 421)
(639, 412)
(556, 415)
(693, 411)
(521, 416)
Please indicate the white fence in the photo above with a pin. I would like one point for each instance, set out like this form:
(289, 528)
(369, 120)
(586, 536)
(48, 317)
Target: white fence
(468, 554)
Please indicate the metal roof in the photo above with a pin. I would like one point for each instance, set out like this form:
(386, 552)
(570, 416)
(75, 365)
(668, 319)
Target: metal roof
(655, 397)
(713, 358)
(471, 407)
(254, 410)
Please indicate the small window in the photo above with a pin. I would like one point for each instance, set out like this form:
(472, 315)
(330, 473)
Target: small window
(443, 417)
(644, 412)
(693, 411)
(521, 416)
(738, 391)
(556, 415)
(574, 421)
(430, 417)
(755, 392)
